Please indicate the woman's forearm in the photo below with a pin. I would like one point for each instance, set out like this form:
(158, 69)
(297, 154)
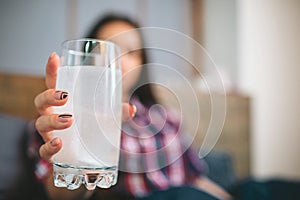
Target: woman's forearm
(212, 188)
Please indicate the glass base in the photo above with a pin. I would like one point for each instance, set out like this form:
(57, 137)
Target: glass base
(72, 177)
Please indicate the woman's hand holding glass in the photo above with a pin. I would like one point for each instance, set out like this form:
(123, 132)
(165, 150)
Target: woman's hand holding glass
(47, 121)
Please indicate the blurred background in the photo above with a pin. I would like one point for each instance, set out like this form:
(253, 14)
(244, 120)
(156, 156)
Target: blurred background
(255, 45)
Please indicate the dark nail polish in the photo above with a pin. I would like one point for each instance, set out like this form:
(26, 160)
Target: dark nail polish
(63, 118)
(60, 95)
(63, 95)
(54, 142)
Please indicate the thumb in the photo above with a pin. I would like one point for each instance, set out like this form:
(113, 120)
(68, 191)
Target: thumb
(128, 111)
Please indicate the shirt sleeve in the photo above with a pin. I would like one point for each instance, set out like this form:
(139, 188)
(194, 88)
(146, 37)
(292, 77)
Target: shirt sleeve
(42, 168)
(194, 165)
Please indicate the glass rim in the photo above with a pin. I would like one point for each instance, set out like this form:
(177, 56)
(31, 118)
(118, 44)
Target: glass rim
(64, 46)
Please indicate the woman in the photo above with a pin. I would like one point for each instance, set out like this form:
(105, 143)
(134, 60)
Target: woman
(172, 168)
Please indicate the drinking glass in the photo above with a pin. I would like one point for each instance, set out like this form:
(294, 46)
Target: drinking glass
(90, 72)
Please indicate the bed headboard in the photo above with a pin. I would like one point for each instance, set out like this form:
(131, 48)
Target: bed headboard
(17, 93)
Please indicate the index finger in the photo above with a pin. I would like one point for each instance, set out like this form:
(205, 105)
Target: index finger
(51, 70)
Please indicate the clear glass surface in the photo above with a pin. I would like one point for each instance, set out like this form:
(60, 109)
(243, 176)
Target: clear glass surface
(90, 72)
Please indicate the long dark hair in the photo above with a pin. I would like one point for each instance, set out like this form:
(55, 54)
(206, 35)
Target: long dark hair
(144, 92)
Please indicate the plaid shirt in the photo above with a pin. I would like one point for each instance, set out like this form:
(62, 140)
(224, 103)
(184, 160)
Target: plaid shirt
(153, 153)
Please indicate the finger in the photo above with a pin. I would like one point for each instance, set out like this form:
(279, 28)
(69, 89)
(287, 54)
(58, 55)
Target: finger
(48, 98)
(128, 111)
(47, 123)
(51, 70)
(50, 148)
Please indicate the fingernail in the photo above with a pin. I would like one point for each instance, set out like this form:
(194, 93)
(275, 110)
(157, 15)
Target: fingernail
(132, 110)
(52, 55)
(64, 118)
(60, 95)
(54, 142)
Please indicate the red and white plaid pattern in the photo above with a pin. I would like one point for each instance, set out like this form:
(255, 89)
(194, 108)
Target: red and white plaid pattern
(154, 154)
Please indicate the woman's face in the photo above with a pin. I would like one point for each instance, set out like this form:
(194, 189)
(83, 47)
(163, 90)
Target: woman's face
(128, 39)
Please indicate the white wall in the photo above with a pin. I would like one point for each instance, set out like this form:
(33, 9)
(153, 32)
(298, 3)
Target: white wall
(220, 33)
(269, 70)
(31, 30)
